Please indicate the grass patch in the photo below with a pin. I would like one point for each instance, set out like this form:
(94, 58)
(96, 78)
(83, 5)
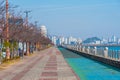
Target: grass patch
(8, 63)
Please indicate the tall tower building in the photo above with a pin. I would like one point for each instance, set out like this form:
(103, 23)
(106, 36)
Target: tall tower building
(43, 30)
(114, 39)
(69, 40)
(54, 40)
(66, 41)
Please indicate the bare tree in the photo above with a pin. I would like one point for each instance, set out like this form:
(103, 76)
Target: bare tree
(18, 31)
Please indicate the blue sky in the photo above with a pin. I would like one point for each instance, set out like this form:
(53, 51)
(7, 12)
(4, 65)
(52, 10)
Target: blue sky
(79, 18)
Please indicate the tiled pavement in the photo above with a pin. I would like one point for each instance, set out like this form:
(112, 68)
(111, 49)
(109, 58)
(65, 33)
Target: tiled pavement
(45, 65)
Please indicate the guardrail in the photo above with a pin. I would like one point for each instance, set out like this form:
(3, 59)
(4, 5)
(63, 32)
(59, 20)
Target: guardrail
(104, 53)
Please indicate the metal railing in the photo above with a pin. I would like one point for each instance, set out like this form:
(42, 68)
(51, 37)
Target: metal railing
(105, 53)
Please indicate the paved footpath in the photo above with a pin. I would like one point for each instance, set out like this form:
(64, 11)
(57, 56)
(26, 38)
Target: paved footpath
(48, 64)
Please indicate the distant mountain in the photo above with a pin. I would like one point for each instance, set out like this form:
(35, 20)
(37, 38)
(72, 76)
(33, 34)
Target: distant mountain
(92, 39)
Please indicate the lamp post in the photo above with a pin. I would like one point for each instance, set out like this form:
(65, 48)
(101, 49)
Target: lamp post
(27, 45)
(7, 31)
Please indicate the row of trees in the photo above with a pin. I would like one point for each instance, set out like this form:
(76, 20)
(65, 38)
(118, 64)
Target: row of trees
(20, 32)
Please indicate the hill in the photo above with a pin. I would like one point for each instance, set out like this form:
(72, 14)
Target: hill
(92, 39)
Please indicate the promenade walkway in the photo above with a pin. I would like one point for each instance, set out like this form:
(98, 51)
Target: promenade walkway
(48, 64)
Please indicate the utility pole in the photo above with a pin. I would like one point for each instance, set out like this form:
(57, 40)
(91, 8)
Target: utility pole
(7, 31)
(27, 12)
(36, 23)
(7, 26)
(35, 44)
(27, 44)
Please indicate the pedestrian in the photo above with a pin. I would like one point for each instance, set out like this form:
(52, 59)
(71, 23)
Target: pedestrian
(20, 53)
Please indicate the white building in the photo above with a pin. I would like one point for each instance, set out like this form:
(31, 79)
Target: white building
(79, 41)
(43, 30)
(118, 41)
(113, 39)
(104, 41)
(97, 42)
(72, 40)
(66, 41)
(62, 40)
(54, 39)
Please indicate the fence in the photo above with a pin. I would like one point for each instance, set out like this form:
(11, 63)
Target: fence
(105, 53)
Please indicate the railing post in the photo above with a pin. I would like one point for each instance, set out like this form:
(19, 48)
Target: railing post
(77, 47)
(88, 50)
(80, 48)
(83, 49)
(70, 47)
(118, 55)
(106, 52)
(74, 47)
(95, 50)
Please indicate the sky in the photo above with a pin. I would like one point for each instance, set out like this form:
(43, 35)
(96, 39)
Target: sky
(77, 18)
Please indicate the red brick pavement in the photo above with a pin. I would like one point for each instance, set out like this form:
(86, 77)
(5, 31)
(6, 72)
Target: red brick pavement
(48, 71)
(10, 71)
(26, 61)
(24, 71)
(48, 79)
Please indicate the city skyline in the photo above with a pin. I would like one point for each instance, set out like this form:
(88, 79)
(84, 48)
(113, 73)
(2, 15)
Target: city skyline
(59, 40)
(77, 18)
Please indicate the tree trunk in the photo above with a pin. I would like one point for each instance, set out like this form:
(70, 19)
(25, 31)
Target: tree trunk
(27, 47)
